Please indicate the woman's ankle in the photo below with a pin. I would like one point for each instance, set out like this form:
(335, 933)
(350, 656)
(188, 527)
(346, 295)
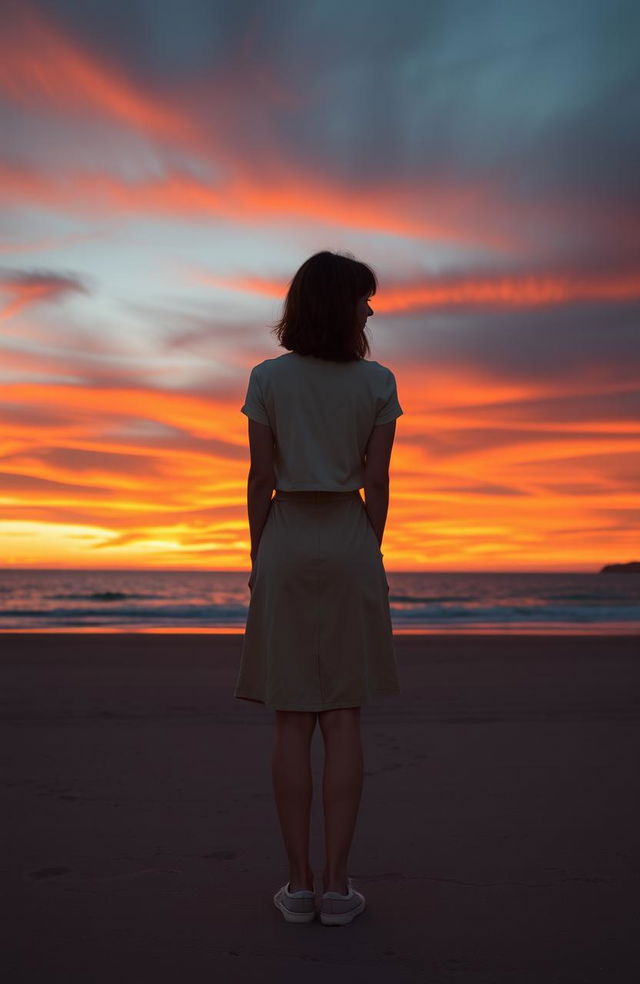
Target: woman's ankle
(339, 885)
(301, 882)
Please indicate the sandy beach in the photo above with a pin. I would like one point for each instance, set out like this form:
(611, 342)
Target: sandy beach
(497, 837)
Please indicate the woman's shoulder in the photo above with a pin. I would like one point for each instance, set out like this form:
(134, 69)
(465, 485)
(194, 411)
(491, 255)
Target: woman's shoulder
(377, 366)
(378, 370)
(268, 365)
(293, 362)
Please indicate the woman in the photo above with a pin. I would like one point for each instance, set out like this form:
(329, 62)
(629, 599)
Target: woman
(318, 640)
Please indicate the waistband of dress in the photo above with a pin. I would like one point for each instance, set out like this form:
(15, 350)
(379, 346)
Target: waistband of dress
(315, 495)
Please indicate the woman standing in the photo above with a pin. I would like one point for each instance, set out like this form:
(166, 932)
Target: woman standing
(318, 640)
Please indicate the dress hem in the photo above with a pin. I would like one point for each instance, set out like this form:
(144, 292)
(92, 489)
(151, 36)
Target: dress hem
(324, 707)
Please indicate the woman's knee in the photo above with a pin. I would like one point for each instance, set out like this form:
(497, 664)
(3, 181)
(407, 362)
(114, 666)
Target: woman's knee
(300, 722)
(339, 719)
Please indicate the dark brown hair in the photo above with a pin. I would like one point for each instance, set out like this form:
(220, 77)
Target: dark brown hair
(319, 316)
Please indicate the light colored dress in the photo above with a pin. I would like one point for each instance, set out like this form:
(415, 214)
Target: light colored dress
(318, 633)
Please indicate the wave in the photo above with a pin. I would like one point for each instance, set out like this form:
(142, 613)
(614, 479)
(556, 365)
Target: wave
(103, 596)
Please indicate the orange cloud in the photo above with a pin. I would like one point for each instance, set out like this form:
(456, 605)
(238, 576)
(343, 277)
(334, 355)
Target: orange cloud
(249, 285)
(244, 199)
(479, 477)
(41, 65)
(46, 245)
(203, 417)
(510, 291)
(384, 209)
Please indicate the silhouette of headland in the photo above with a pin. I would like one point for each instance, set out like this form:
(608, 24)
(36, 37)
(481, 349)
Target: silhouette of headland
(633, 567)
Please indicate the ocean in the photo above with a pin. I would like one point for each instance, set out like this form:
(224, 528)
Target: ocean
(201, 601)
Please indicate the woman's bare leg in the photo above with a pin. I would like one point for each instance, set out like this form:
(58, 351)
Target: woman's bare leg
(293, 789)
(341, 790)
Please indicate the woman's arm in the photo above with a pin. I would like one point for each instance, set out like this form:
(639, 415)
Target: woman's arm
(376, 475)
(261, 480)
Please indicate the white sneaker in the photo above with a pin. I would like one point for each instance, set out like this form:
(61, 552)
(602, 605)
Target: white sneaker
(337, 909)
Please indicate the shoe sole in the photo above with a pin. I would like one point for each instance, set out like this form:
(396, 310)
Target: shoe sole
(341, 918)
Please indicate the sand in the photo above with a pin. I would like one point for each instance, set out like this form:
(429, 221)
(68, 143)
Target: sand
(497, 838)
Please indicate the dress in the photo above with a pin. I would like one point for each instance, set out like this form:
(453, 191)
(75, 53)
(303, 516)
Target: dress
(318, 633)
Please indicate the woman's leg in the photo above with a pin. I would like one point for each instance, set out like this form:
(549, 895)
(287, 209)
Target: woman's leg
(293, 788)
(342, 789)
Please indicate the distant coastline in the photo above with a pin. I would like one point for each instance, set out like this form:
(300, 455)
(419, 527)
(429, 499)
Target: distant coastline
(633, 567)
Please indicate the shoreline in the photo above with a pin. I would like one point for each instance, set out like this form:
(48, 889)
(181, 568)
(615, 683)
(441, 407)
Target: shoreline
(613, 631)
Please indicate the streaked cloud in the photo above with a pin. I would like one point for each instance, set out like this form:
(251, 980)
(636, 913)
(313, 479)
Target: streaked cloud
(527, 290)
(21, 289)
(177, 165)
(40, 65)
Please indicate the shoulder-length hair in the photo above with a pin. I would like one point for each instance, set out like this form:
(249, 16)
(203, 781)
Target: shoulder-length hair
(319, 316)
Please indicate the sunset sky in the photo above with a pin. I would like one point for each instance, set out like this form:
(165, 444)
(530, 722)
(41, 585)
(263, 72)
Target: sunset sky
(165, 168)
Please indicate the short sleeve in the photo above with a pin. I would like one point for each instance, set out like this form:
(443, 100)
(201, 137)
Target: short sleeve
(254, 403)
(388, 406)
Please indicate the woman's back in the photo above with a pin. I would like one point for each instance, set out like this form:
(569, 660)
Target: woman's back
(321, 414)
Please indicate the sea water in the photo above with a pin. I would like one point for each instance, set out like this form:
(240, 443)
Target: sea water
(196, 601)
